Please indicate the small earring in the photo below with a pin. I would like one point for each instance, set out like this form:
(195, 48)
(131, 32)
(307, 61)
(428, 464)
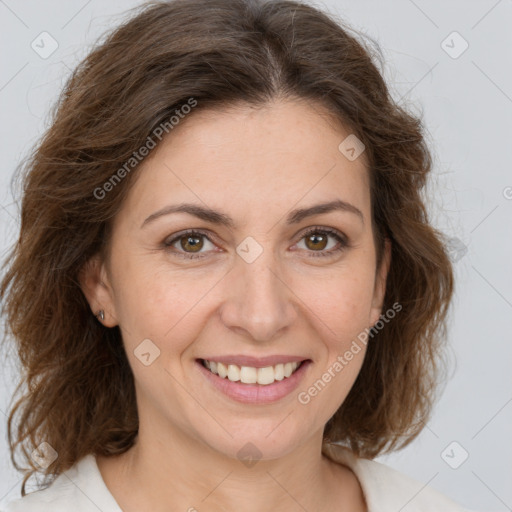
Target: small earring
(101, 315)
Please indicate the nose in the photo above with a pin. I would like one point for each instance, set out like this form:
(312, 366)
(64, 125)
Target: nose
(259, 303)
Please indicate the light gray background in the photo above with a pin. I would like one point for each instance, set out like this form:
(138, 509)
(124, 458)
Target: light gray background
(467, 107)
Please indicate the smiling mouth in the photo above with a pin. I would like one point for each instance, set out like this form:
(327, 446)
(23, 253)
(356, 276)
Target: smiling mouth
(251, 375)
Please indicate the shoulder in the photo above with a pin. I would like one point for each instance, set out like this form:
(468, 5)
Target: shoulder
(58, 496)
(80, 489)
(386, 489)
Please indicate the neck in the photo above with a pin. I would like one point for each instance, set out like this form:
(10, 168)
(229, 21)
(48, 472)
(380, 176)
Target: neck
(177, 472)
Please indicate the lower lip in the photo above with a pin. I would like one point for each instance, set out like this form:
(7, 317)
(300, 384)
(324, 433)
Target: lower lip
(256, 393)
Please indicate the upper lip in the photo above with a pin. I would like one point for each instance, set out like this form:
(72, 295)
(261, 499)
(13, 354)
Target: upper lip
(255, 362)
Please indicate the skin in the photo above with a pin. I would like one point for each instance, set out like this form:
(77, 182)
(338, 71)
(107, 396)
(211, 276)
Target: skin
(268, 161)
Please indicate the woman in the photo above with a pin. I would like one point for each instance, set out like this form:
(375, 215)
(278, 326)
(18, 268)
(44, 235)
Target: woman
(226, 294)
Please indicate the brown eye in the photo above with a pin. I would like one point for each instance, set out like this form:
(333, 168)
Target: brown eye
(316, 241)
(191, 243)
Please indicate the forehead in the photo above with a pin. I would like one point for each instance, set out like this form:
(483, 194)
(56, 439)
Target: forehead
(252, 161)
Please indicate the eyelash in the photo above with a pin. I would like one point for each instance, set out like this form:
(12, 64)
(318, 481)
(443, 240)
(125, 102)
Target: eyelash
(341, 239)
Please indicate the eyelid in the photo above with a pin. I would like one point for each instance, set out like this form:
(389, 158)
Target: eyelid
(323, 229)
(341, 237)
(172, 239)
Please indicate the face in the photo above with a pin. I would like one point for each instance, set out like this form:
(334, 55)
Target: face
(253, 278)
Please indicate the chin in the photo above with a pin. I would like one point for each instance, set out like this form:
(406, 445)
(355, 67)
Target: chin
(251, 442)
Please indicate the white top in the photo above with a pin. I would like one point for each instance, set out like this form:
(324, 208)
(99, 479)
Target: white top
(82, 489)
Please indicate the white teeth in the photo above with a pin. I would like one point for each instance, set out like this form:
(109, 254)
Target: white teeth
(222, 370)
(279, 371)
(266, 375)
(250, 375)
(233, 372)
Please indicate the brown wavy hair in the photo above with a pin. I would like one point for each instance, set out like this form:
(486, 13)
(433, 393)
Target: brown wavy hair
(77, 388)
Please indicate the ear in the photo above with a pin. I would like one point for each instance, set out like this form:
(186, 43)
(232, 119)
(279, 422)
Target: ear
(96, 287)
(380, 283)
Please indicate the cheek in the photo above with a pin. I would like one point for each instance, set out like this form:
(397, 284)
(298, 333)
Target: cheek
(340, 313)
(168, 307)
(341, 300)
(155, 302)
(159, 306)
(148, 300)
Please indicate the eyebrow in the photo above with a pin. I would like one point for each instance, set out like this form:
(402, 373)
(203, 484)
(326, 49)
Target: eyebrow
(222, 219)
